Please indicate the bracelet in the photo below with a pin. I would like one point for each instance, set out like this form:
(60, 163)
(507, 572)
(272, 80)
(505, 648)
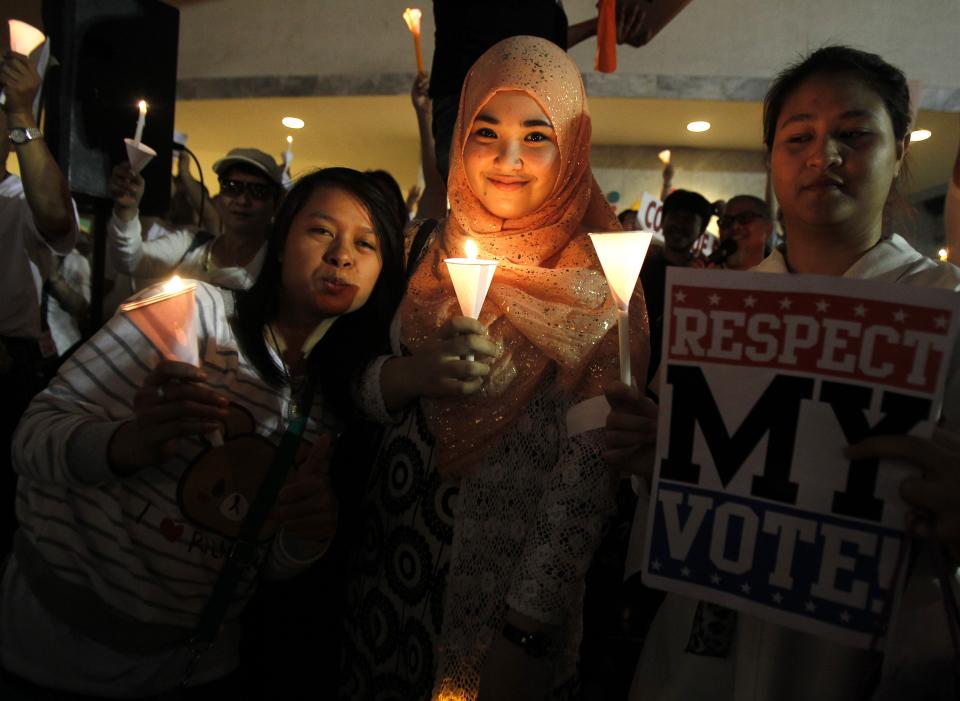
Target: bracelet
(534, 644)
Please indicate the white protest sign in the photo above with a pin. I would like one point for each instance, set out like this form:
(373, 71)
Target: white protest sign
(650, 214)
(765, 380)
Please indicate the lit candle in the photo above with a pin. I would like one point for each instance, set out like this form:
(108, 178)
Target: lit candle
(412, 17)
(141, 122)
(168, 319)
(288, 155)
(621, 257)
(24, 38)
(944, 254)
(471, 278)
(664, 156)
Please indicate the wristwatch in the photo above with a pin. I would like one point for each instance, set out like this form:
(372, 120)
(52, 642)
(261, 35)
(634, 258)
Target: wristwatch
(21, 135)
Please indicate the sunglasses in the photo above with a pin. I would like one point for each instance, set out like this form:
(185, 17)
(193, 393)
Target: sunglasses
(744, 218)
(236, 188)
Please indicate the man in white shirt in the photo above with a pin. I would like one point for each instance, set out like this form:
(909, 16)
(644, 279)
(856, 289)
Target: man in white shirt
(36, 213)
(250, 189)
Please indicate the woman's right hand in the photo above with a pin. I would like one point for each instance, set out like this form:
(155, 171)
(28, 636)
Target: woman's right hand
(631, 431)
(172, 403)
(439, 368)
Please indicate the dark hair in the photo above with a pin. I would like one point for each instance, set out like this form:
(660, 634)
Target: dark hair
(391, 189)
(626, 213)
(691, 202)
(887, 81)
(355, 338)
(760, 205)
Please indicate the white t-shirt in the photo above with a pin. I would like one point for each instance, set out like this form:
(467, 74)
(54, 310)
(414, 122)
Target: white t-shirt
(21, 282)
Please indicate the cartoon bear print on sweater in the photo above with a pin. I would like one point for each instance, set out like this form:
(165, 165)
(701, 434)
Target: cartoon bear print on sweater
(217, 489)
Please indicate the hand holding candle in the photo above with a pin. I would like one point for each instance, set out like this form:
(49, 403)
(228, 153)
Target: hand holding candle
(412, 17)
(288, 154)
(168, 320)
(24, 39)
(471, 278)
(621, 257)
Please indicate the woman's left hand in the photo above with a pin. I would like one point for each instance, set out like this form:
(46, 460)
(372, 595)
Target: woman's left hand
(307, 506)
(936, 492)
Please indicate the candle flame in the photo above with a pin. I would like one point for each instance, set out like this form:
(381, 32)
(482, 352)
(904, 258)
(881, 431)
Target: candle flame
(143, 106)
(289, 139)
(664, 156)
(943, 253)
(412, 17)
(174, 284)
(471, 248)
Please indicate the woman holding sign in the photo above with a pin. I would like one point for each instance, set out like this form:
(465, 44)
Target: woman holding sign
(836, 127)
(486, 504)
(137, 474)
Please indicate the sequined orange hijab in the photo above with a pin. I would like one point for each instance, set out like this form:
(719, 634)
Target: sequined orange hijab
(549, 302)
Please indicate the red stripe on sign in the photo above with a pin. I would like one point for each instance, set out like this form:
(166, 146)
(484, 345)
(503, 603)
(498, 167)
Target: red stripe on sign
(899, 345)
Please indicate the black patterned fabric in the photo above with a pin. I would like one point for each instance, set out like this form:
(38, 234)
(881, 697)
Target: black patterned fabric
(396, 593)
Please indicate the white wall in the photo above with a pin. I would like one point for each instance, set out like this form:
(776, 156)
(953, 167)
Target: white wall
(728, 38)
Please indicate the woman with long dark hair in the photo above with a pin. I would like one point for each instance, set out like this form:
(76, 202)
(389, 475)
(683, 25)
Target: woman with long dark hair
(137, 474)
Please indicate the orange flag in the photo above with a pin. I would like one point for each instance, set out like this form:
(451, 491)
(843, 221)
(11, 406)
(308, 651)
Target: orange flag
(606, 61)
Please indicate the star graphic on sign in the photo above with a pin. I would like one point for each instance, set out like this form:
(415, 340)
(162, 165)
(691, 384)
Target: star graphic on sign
(810, 607)
(714, 299)
(940, 322)
(786, 303)
(859, 310)
(823, 305)
(900, 316)
(844, 617)
(715, 578)
(685, 571)
(681, 296)
(749, 301)
(655, 565)
(745, 588)
(778, 598)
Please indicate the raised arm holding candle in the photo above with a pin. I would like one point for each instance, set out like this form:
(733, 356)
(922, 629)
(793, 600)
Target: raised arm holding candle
(412, 17)
(522, 190)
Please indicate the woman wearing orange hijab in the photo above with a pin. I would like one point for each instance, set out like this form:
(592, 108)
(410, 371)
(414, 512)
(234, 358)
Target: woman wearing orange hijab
(484, 508)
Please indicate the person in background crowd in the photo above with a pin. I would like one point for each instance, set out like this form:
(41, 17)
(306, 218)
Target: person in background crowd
(951, 213)
(250, 187)
(684, 221)
(745, 230)
(36, 214)
(836, 128)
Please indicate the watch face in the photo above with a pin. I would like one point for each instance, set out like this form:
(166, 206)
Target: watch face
(18, 136)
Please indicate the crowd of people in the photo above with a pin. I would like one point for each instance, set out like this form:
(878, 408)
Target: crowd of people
(358, 492)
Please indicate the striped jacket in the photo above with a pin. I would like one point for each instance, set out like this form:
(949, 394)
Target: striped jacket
(108, 554)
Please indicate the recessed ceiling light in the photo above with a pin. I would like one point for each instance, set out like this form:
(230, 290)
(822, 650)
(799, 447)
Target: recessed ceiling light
(920, 135)
(292, 122)
(698, 126)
